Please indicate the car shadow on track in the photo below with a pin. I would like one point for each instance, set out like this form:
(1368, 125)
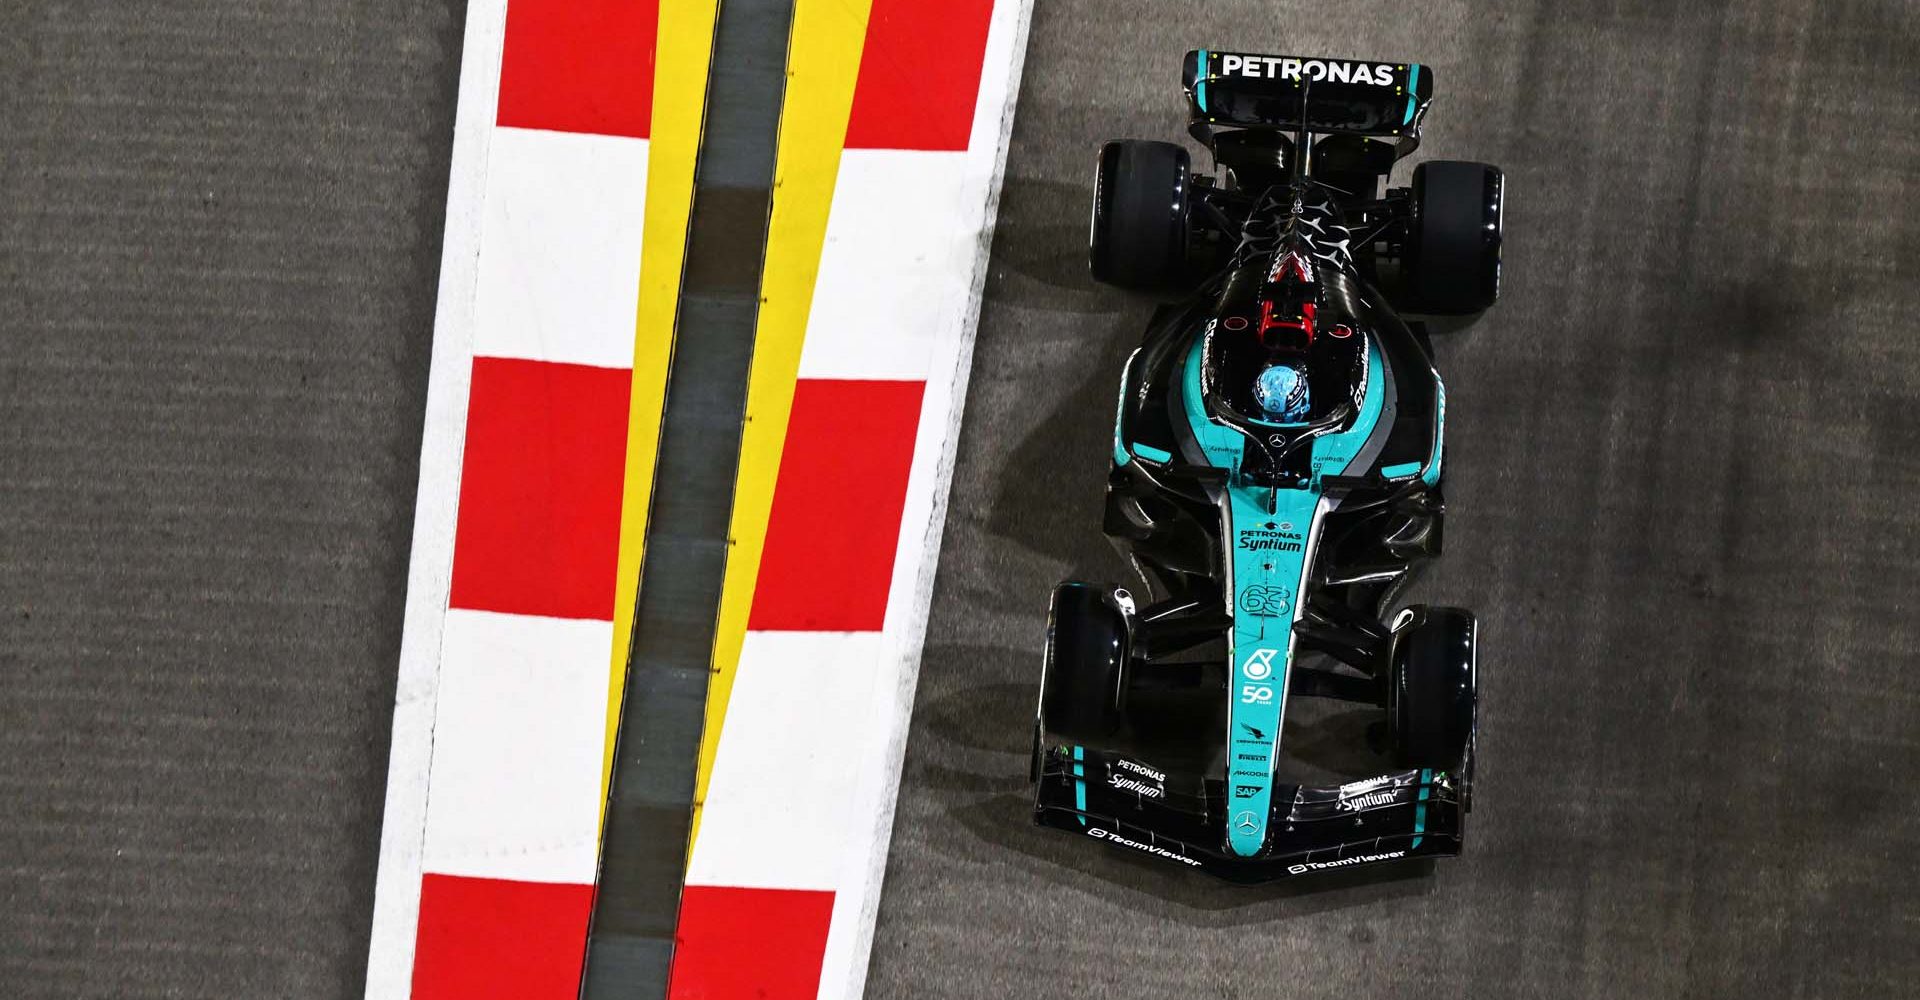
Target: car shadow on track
(1049, 490)
(1040, 250)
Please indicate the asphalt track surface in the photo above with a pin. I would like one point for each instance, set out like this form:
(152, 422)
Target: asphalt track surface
(1685, 446)
(1683, 452)
(219, 244)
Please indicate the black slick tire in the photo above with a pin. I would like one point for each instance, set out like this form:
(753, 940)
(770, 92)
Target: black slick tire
(1433, 700)
(1083, 682)
(1452, 262)
(1140, 230)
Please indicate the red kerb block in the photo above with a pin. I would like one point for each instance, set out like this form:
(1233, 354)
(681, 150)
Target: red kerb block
(579, 66)
(835, 524)
(919, 74)
(494, 939)
(538, 531)
(749, 944)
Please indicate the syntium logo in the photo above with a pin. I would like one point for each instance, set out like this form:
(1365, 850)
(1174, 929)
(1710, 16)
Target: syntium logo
(1370, 800)
(1269, 540)
(1136, 786)
(1252, 67)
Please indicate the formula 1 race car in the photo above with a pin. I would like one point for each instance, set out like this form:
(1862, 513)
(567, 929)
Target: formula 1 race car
(1276, 481)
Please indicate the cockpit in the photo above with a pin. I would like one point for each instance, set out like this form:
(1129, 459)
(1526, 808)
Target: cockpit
(1283, 361)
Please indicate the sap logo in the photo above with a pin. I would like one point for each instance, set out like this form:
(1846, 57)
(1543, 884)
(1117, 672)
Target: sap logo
(1287, 68)
(1245, 791)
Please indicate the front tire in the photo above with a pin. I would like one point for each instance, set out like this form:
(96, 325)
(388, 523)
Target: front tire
(1433, 699)
(1083, 682)
(1141, 226)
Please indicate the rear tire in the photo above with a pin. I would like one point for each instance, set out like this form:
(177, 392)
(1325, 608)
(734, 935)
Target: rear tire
(1432, 703)
(1452, 255)
(1141, 227)
(1084, 680)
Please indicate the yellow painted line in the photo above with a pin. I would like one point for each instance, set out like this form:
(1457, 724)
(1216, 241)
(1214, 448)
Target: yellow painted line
(823, 62)
(683, 50)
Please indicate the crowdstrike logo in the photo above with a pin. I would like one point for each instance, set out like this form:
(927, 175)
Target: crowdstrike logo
(1114, 838)
(1314, 866)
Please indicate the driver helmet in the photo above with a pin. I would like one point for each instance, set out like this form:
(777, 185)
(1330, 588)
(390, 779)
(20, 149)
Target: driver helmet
(1281, 391)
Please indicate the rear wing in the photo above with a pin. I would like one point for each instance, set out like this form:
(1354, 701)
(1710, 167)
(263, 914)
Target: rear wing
(1335, 96)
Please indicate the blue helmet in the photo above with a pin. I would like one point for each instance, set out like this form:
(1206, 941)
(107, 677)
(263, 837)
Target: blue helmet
(1282, 392)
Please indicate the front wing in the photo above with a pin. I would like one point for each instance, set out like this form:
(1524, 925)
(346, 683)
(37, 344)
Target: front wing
(1123, 802)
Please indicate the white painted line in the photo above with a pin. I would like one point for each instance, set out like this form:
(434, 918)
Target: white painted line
(396, 901)
(560, 246)
(517, 748)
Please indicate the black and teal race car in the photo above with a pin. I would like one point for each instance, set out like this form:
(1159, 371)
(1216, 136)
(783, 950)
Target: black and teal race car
(1278, 457)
